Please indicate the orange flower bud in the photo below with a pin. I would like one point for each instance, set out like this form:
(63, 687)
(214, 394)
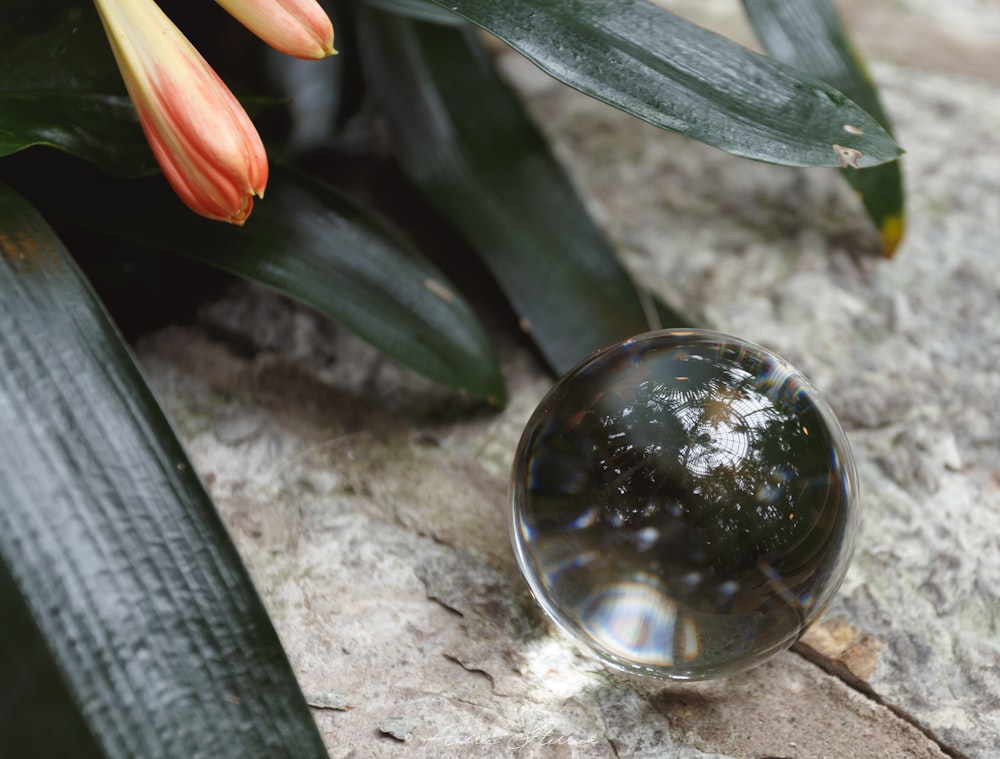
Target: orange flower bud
(299, 28)
(202, 138)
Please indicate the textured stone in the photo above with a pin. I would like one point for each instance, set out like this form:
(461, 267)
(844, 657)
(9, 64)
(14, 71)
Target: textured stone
(906, 350)
(839, 646)
(371, 506)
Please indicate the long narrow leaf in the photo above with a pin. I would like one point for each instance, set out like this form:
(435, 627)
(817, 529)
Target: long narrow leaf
(128, 576)
(420, 10)
(466, 142)
(681, 77)
(59, 87)
(809, 35)
(38, 716)
(306, 241)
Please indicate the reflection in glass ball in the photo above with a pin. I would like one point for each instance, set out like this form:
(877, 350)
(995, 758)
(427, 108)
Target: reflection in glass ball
(684, 504)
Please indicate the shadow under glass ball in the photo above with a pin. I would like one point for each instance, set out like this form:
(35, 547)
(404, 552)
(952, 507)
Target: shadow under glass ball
(684, 504)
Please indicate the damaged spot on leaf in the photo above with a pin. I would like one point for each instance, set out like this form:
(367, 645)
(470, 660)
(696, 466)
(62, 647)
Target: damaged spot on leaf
(851, 129)
(439, 290)
(25, 253)
(847, 157)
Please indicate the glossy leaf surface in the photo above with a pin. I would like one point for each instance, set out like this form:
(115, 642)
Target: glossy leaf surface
(111, 552)
(59, 87)
(466, 142)
(679, 76)
(309, 242)
(809, 35)
(420, 10)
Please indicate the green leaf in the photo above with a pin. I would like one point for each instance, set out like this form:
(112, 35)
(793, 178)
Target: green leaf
(421, 10)
(59, 87)
(112, 556)
(308, 241)
(681, 77)
(809, 35)
(465, 141)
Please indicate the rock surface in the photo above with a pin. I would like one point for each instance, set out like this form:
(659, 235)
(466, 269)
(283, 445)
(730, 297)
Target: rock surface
(371, 506)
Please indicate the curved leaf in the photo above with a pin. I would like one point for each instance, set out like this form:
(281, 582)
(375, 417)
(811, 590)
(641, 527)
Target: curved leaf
(59, 87)
(309, 242)
(421, 10)
(681, 77)
(809, 35)
(110, 549)
(464, 139)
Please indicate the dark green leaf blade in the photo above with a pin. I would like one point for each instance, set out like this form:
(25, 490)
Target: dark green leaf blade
(59, 87)
(38, 716)
(421, 10)
(465, 141)
(309, 242)
(112, 542)
(681, 77)
(809, 35)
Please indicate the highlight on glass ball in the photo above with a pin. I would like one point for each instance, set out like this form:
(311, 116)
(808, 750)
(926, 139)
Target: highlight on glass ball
(684, 504)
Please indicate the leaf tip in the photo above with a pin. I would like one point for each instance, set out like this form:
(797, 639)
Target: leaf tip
(891, 231)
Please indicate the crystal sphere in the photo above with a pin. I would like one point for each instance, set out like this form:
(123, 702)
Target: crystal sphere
(684, 504)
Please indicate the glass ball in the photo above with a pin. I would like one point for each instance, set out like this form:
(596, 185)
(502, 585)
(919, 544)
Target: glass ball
(684, 504)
